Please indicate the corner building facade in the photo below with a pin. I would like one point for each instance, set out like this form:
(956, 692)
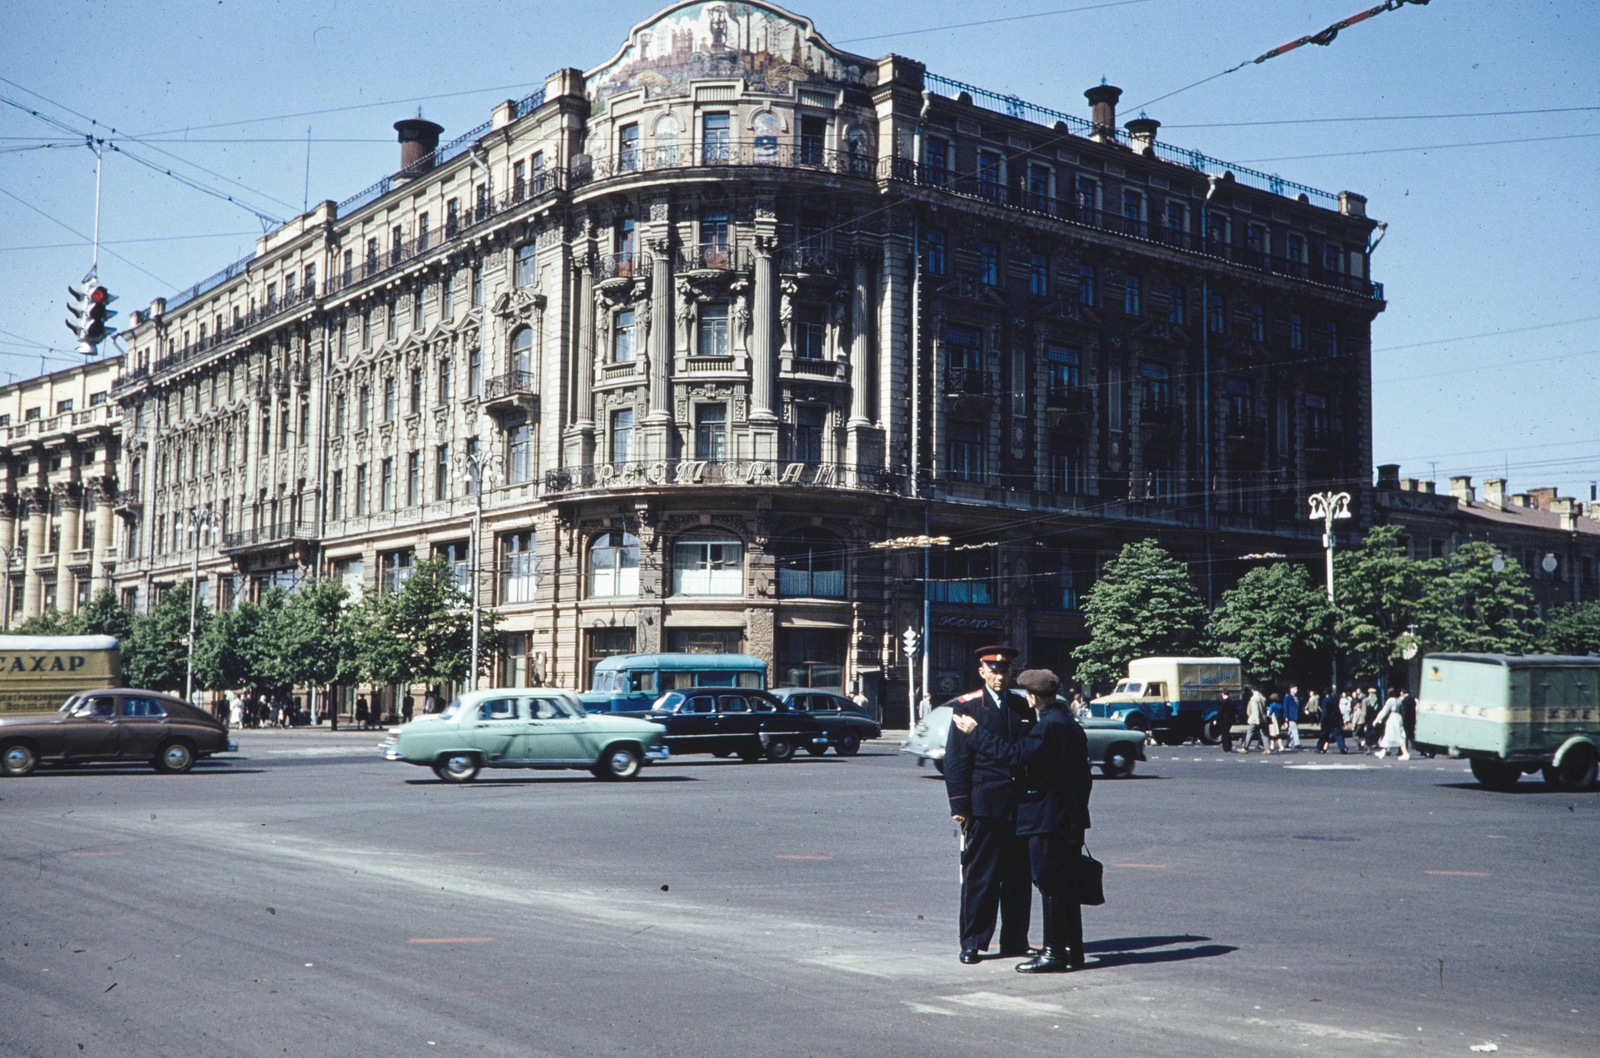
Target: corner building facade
(730, 308)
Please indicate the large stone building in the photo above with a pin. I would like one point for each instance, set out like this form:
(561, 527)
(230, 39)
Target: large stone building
(726, 311)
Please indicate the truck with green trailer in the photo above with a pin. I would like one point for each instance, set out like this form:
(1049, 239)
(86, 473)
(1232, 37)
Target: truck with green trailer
(1513, 714)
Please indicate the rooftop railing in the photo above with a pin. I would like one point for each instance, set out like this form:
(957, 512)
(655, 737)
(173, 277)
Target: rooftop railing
(662, 473)
(1016, 107)
(212, 282)
(722, 156)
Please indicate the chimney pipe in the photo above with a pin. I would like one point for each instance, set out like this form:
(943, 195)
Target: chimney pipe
(1461, 489)
(1103, 111)
(1494, 493)
(1388, 475)
(418, 139)
(1142, 131)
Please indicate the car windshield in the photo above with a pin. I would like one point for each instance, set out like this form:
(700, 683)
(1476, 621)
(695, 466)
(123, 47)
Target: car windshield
(667, 702)
(451, 710)
(1129, 687)
(66, 706)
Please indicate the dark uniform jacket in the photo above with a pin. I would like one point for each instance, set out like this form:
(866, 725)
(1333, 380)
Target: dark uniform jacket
(977, 783)
(1054, 758)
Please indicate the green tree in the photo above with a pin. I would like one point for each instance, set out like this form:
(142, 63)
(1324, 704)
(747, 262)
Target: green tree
(1573, 629)
(316, 633)
(155, 654)
(51, 622)
(422, 632)
(1143, 605)
(1277, 623)
(1379, 593)
(1474, 608)
(103, 615)
(224, 653)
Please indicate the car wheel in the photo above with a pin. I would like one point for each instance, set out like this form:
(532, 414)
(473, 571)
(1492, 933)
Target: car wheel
(1136, 722)
(1576, 772)
(458, 767)
(816, 750)
(938, 766)
(780, 749)
(618, 764)
(1211, 732)
(1118, 764)
(174, 758)
(1495, 775)
(849, 744)
(18, 759)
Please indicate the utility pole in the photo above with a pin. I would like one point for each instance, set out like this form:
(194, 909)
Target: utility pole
(474, 469)
(200, 520)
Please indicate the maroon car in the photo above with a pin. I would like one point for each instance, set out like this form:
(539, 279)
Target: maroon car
(115, 724)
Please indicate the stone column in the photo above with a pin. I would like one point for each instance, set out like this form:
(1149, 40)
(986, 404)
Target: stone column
(764, 352)
(860, 325)
(105, 490)
(584, 382)
(660, 335)
(38, 502)
(71, 497)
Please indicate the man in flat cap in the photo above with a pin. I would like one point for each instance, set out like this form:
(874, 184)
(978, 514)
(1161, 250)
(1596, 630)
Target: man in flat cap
(983, 802)
(1052, 812)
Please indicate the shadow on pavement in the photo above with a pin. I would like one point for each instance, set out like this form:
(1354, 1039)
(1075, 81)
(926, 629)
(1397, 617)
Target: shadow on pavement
(220, 767)
(550, 780)
(1137, 958)
(1131, 943)
(1531, 786)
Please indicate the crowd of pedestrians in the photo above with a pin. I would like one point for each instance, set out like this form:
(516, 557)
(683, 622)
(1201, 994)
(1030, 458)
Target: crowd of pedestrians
(257, 712)
(1273, 720)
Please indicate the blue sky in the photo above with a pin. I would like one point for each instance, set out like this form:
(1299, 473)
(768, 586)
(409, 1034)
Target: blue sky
(1484, 364)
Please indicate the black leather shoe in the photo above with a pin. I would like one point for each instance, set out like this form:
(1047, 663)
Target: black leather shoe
(1017, 953)
(971, 956)
(1075, 958)
(1048, 961)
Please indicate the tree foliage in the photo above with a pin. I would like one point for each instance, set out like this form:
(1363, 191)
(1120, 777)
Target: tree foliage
(422, 632)
(1573, 629)
(1379, 592)
(1143, 605)
(1473, 608)
(155, 653)
(1277, 623)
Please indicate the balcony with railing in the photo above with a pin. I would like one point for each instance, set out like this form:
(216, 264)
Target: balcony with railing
(809, 261)
(968, 382)
(631, 265)
(1065, 398)
(648, 160)
(1242, 430)
(510, 393)
(711, 257)
(275, 534)
(700, 473)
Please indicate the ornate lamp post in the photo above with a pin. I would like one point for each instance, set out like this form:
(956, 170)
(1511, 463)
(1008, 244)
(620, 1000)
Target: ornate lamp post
(1329, 506)
(476, 469)
(201, 522)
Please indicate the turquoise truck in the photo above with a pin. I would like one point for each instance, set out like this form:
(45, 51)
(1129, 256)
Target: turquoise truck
(1511, 715)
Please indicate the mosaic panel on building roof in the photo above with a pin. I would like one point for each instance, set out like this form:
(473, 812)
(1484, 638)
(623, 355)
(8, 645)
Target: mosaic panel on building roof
(766, 47)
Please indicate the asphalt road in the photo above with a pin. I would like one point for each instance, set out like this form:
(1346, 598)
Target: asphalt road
(307, 898)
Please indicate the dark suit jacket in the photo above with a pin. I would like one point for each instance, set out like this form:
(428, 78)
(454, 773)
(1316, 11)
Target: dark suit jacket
(978, 784)
(1054, 758)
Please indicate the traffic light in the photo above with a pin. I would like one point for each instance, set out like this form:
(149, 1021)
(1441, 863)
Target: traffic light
(93, 309)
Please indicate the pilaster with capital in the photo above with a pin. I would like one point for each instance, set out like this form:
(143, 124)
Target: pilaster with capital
(37, 501)
(763, 353)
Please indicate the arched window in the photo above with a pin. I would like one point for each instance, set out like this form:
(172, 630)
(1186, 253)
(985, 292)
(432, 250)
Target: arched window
(708, 562)
(522, 351)
(666, 137)
(613, 565)
(811, 563)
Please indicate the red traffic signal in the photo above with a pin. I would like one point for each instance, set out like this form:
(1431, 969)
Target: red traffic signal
(94, 310)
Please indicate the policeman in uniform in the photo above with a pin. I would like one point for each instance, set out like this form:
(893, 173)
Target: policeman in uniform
(1052, 812)
(983, 802)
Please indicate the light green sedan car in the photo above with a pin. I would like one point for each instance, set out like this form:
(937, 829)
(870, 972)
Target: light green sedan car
(525, 727)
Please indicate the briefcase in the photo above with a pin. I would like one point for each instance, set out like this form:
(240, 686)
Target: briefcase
(1091, 880)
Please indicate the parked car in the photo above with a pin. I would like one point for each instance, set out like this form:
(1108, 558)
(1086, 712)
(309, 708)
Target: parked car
(750, 724)
(844, 723)
(629, 683)
(524, 728)
(113, 724)
(1113, 745)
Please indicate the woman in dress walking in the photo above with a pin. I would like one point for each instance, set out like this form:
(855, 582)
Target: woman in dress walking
(1394, 729)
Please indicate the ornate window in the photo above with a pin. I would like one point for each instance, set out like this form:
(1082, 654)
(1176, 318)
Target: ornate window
(708, 562)
(811, 563)
(613, 565)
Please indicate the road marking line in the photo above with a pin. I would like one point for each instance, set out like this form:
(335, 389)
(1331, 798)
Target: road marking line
(94, 854)
(783, 857)
(1147, 866)
(1461, 874)
(461, 854)
(448, 940)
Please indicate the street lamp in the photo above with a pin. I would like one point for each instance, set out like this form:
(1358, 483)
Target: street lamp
(1329, 506)
(476, 468)
(8, 555)
(200, 522)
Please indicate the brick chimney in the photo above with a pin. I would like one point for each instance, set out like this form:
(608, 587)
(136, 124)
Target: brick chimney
(1494, 493)
(1388, 475)
(1103, 111)
(418, 139)
(1142, 131)
(1461, 489)
(1542, 498)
